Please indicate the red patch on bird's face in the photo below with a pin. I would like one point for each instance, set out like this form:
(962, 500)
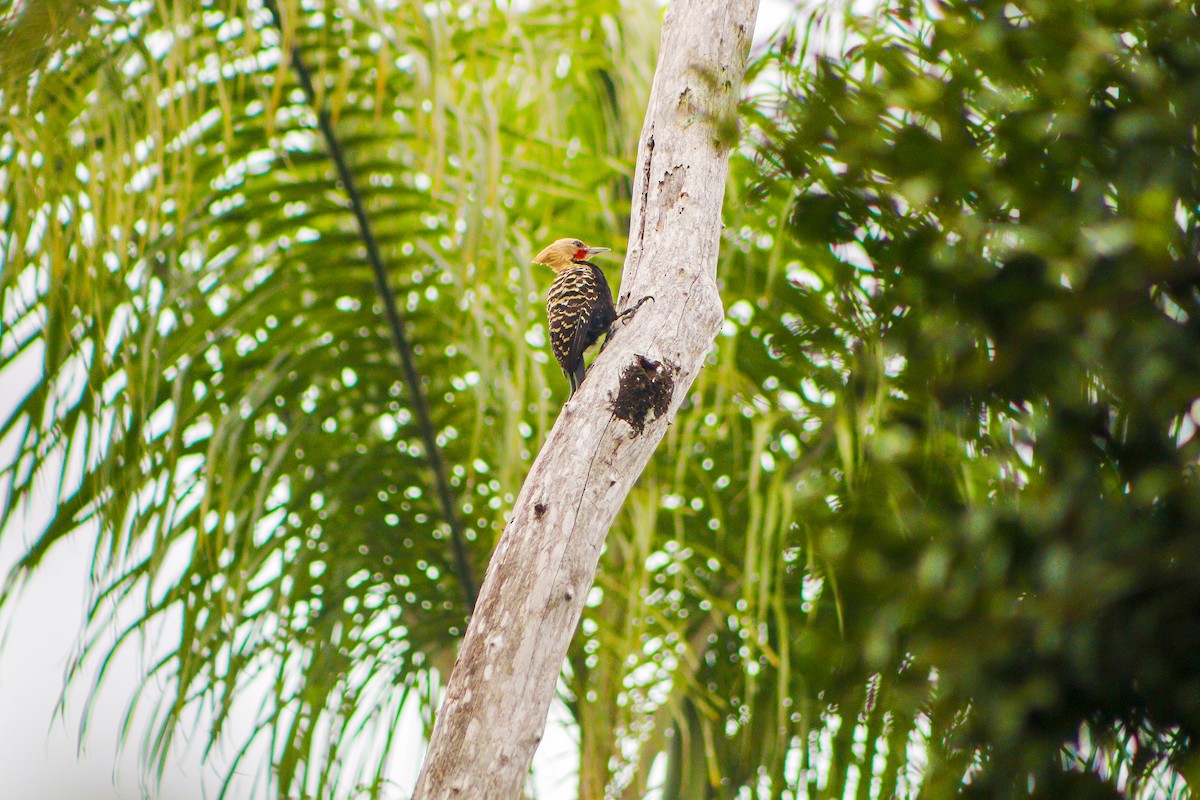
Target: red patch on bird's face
(581, 255)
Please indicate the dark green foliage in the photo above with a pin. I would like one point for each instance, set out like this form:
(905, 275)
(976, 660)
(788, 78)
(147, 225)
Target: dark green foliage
(998, 208)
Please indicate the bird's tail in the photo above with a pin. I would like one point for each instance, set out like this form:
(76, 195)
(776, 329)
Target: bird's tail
(576, 377)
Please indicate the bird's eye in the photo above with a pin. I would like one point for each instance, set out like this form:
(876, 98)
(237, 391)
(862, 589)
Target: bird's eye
(577, 243)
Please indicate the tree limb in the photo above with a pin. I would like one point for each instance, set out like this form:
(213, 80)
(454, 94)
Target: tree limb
(494, 711)
(412, 377)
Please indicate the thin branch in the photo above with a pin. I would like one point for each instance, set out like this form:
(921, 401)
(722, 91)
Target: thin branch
(411, 376)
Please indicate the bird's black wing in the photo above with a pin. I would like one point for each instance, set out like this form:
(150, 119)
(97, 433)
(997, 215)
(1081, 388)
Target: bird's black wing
(580, 309)
(596, 313)
(606, 313)
(583, 337)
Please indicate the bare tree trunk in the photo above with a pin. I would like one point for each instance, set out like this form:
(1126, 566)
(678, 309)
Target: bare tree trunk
(494, 712)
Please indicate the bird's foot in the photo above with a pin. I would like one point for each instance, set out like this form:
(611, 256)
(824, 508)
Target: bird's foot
(621, 319)
(629, 312)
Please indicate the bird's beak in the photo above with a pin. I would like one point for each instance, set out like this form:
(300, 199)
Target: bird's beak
(591, 251)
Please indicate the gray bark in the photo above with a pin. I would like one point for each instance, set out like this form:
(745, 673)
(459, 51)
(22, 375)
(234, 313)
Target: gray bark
(494, 711)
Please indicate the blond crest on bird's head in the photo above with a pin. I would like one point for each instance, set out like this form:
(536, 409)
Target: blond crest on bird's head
(565, 252)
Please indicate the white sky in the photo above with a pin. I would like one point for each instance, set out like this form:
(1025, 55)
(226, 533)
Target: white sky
(38, 745)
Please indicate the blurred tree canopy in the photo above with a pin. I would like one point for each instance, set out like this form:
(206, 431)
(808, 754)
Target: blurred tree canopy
(989, 276)
(929, 524)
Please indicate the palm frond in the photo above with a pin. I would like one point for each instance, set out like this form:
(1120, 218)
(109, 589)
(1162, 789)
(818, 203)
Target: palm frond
(218, 387)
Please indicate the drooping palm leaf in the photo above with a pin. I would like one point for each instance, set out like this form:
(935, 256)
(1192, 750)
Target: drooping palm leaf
(243, 439)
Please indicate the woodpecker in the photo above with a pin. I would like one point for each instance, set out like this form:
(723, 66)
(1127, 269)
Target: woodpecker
(579, 306)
